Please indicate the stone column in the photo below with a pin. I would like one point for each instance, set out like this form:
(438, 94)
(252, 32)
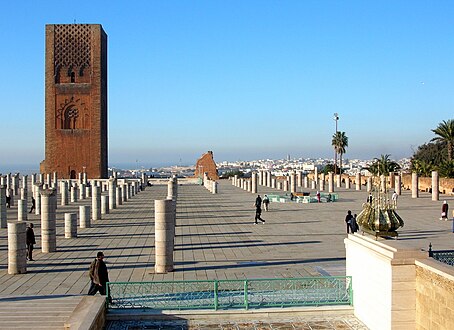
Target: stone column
(96, 203)
(48, 180)
(322, 182)
(104, 204)
(392, 180)
(268, 179)
(248, 185)
(315, 173)
(358, 181)
(313, 185)
(88, 192)
(118, 196)
(264, 178)
(170, 190)
(293, 182)
(70, 225)
(273, 183)
(124, 191)
(22, 210)
(17, 252)
(369, 184)
(15, 183)
(260, 177)
(164, 235)
(254, 183)
(54, 179)
(414, 185)
(33, 179)
(84, 179)
(25, 182)
(398, 186)
(235, 180)
(299, 179)
(73, 194)
(279, 185)
(435, 186)
(80, 178)
(82, 191)
(84, 216)
(347, 182)
(286, 185)
(306, 182)
(64, 193)
(112, 193)
(339, 180)
(37, 189)
(41, 178)
(382, 183)
(3, 214)
(330, 182)
(48, 223)
(215, 187)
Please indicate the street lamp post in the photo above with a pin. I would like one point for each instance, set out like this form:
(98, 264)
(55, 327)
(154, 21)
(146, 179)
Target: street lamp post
(336, 118)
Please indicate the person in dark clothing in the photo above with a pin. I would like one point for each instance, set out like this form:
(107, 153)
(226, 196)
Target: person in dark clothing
(349, 221)
(8, 201)
(99, 275)
(370, 199)
(266, 202)
(33, 205)
(444, 211)
(30, 241)
(258, 209)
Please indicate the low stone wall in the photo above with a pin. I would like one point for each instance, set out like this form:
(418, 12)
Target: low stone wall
(425, 184)
(434, 295)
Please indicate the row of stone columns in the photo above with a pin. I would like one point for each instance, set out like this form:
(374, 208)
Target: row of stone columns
(210, 185)
(47, 198)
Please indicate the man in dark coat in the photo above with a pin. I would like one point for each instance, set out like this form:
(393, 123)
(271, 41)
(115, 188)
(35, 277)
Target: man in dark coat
(349, 221)
(30, 241)
(258, 209)
(98, 275)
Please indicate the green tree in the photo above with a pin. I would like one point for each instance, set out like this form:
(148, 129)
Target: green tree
(422, 167)
(445, 133)
(340, 143)
(432, 152)
(446, 169)
(383, 165)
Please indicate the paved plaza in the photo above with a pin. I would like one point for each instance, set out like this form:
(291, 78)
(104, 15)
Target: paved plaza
(215, 239)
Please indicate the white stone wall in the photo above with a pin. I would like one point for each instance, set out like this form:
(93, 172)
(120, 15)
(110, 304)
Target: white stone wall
(384, 282)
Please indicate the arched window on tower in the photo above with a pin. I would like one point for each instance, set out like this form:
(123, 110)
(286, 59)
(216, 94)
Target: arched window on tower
(70, 117)
(73, 77)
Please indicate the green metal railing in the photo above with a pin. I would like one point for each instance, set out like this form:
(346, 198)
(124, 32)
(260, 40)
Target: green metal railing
(231, 294)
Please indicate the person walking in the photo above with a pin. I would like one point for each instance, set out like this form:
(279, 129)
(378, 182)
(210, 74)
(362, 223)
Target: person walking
(258, 209)
(444, 211)
(348, 221)
(318, 196)
(33, 205)
(99, 275)
(266, 202)
(30, 241)
(394, 199)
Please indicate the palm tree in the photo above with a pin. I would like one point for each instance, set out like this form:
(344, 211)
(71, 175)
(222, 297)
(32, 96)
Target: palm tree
(340, 143)
(383, 165)
(445, 132)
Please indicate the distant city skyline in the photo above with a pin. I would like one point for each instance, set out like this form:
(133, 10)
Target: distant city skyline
(245, 79)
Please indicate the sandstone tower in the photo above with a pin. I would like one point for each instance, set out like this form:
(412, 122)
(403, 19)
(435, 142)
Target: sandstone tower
(76, 100)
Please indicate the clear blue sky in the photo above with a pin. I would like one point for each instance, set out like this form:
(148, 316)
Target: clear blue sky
(246, 79)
